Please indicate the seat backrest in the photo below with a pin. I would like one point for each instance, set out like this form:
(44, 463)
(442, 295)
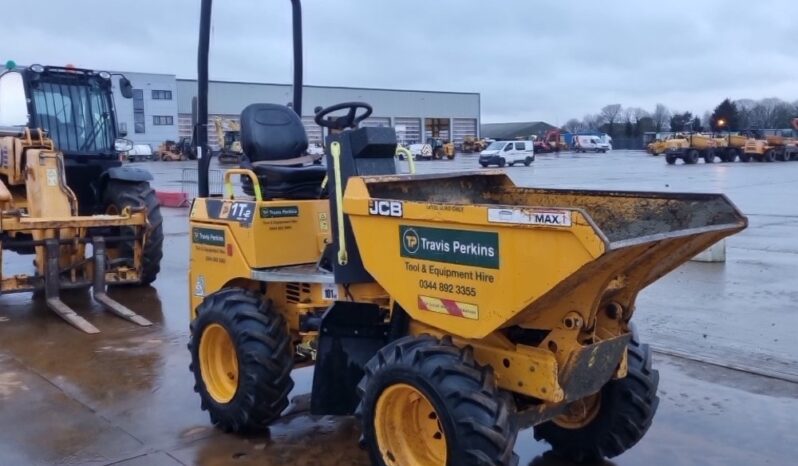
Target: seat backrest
(272, 132)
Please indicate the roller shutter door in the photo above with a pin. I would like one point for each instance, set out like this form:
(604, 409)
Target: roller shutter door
(376, 122)
(184, 128)
(408, 130)
(312, 129)
(463, 127)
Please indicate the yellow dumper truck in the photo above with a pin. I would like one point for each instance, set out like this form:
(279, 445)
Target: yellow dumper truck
(444, 311)
(691, 147)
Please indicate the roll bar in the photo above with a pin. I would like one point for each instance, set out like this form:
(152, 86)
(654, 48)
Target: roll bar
(201, 125)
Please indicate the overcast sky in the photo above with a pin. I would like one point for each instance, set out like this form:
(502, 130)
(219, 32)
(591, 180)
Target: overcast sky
(530, 60)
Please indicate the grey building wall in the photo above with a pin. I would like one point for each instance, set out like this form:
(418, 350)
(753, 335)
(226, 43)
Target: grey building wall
(409, 107)
(147, 82)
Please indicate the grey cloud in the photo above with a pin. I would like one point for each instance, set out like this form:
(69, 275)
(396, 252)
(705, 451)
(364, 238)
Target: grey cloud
(549, 60)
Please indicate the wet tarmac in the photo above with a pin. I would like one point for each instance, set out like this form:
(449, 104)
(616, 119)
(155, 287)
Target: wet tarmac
(125, 396)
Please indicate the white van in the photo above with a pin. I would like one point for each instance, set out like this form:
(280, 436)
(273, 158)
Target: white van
(503, 153)
(591, 144)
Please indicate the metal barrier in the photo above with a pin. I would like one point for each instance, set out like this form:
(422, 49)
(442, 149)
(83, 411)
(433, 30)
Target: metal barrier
(189, 182)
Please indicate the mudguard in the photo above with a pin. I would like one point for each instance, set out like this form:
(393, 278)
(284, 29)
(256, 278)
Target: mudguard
(127, 174)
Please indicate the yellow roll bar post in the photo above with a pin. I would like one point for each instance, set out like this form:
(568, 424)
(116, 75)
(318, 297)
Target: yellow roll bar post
(408, 156)
(228, 183)
(335, 151)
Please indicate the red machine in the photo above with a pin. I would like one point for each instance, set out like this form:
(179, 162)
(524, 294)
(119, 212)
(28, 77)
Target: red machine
(550, 142)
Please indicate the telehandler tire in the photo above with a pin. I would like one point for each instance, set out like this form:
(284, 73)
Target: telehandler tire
(241, 358)
(427, 402)
(612, 421)
(121, 194)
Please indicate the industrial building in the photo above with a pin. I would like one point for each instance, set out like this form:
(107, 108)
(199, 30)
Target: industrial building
(506, 131)
(161, 108)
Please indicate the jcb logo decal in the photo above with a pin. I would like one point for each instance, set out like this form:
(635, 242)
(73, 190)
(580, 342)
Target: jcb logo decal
(386, 208)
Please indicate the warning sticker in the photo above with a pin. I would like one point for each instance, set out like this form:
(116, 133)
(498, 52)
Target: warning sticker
(324, 221)
(52, 177)
(448, 306)
(330, 291)
(555, 218)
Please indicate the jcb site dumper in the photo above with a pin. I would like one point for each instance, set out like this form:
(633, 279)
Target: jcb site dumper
(445, 311)
(730, 147)
(690, 147)
(763, 147)
(65, 196)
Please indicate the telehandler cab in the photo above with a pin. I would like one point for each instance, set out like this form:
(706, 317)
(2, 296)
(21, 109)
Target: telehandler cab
(445, 311)
(62, 187)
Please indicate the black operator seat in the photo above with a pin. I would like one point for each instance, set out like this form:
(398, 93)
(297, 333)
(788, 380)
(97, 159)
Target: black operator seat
(273, 139)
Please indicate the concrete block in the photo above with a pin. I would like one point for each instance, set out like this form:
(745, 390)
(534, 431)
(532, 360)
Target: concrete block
(715, 253)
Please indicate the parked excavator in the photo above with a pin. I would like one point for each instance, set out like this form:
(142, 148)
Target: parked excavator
(228, 136)
(63, 189)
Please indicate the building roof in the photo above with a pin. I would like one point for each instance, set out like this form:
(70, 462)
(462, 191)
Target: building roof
(514, 130)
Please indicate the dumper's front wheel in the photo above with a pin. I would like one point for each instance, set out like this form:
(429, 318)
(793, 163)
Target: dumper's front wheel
(427, 402)
(608, 423)
(241, 357)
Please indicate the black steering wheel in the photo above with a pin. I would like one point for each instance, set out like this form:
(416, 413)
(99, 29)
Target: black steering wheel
(350, 120)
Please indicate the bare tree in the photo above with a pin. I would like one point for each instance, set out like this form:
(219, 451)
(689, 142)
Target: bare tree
(706, 120)
(661, 117)
(591, 122)
(573, 125)
(744, 107)
(611, 114)
(769, 113)
(639, 113)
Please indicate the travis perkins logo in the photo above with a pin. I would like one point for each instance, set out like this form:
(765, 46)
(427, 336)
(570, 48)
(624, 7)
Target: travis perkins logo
(477, 248)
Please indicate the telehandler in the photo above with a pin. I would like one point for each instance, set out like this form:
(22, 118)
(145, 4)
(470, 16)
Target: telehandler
(63, 188)
(445, 311)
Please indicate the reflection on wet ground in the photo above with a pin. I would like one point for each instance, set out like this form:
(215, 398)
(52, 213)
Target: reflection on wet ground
(125, 396)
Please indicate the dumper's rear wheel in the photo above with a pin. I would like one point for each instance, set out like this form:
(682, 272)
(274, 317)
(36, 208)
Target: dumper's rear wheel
(769, 155)
(670, 159)
(121, 194)
(745, 158)
(241, 358)
(732, 155)
(608, 423)
(691, 157)
(427, 402)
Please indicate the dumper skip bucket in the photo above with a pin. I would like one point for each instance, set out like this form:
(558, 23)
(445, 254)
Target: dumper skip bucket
(472, 253)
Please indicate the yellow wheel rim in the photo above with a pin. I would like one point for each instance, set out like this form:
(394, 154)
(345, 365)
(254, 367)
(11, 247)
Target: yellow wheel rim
(218, 363)
(408, 428)
(579, 413)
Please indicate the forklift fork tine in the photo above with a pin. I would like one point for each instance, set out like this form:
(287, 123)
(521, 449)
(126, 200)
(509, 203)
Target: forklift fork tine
(99, 287)
(52, 288)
